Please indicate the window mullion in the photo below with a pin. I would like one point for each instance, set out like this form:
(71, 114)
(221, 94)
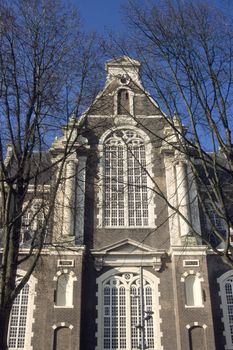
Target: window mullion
(19, 317)
(126, 189)
(128, 317)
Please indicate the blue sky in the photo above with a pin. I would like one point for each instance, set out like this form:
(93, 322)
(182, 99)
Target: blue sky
(101, 15)
(105, 15)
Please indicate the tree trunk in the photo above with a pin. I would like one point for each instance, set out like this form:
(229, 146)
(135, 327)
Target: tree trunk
(4, 321)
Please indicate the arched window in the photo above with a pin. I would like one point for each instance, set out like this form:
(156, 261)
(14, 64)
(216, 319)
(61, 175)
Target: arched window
(119, 313)
(123, 102)
(20, 324)
(213, 218)
(64, 292)
(125, 180)
(197, 338)
(226, 292)
(193, 291)
(62, 338)
(33, 221)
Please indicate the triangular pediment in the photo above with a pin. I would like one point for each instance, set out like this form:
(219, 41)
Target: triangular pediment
(129, 253)
(127, 246)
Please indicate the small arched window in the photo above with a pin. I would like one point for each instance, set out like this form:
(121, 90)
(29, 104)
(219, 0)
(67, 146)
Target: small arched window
(193, 291)
(61, 338)
(123, 102)
(64, 293)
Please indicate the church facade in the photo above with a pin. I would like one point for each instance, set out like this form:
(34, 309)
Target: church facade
(130, 274)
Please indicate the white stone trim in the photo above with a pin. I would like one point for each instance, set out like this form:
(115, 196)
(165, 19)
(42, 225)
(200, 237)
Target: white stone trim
(196, 324)
(171, 195)
(194, 306)
(69, 195)
(80, 199)
(38, 189)
(222, 281)
(182, 194)
(188, 251)
(136, 254)
(56, 250)
(154, 282)
(136, 117)
(65, 271)
(62, 324)
(191, 272)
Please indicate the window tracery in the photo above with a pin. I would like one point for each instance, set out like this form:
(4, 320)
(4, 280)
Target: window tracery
(125, 180)
(120, 312)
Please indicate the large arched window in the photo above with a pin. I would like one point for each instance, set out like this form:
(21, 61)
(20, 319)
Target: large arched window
(125, 180)
(119, 313)
(20, 324)
(226, 292)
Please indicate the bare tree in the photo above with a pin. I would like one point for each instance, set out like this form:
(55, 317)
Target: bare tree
(186, 51)
(46, 62)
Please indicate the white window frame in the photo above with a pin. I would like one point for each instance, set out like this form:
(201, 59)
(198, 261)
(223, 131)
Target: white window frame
(150, 184)
(154, 283)
(222, 281)
(30, 309)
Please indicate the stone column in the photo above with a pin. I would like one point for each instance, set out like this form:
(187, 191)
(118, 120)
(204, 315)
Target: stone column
(80, 199)
(171, 196)
(69, 197)
(182, 195)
